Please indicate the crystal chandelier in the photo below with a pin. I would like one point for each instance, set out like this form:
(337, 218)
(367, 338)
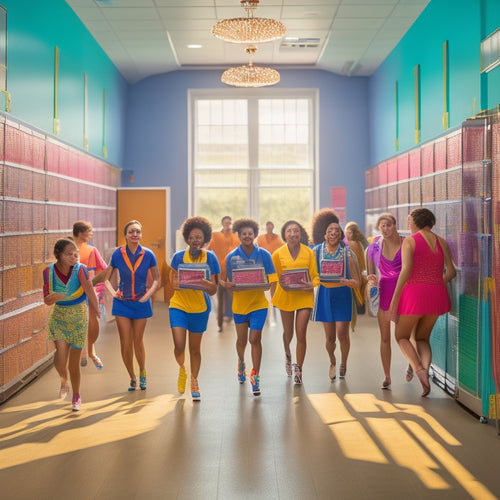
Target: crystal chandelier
(249, 29)
(250, 75)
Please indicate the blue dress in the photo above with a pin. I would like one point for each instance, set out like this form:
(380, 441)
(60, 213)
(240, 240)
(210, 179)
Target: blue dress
(333, 301)
(133, 269)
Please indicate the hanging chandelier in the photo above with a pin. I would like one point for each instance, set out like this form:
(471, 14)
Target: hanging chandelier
(249, 29)
(250, 75)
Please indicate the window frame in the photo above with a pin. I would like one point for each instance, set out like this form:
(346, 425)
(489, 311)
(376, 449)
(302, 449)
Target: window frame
(254, 95)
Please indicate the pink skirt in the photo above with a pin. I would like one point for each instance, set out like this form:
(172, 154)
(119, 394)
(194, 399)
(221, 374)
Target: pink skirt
(421, 298)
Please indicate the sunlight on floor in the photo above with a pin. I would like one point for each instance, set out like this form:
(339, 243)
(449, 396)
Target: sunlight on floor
(58, 430)
(376, 431)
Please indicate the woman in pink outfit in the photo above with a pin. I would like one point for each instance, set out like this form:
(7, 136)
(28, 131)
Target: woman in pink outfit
(421, 295)
(383, 261)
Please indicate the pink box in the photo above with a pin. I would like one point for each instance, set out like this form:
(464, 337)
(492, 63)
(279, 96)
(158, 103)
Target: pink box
(295, 279)
(250, 278)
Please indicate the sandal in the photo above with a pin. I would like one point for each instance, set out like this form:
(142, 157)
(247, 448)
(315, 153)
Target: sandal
(409, 373)
(423, 376)
(97, 362)
(386, 383)
(332, 372)
(342, 371)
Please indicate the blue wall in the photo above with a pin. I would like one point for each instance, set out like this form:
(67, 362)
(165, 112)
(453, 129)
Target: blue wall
(157, 132)
(34, 28)
(463, 23)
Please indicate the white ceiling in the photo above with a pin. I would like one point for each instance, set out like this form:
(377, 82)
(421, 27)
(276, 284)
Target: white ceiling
(147, 37)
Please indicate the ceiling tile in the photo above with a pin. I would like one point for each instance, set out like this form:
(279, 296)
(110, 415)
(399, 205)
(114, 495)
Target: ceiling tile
(360, 31)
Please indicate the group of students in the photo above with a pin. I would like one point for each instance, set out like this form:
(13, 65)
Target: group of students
(411, 273)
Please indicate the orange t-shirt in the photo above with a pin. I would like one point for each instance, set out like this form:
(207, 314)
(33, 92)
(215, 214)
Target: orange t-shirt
(221, 244)
(270, 243)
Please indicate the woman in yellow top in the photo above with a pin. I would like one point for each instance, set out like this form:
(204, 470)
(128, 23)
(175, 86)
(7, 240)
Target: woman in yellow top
(294, 299)
(190, 306)
(249, 305)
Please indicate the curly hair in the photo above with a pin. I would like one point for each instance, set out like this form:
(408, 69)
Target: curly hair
(304, 237)
(61, 244)
(320, 221)
(197, 223)
(423, 217)
(239, 224)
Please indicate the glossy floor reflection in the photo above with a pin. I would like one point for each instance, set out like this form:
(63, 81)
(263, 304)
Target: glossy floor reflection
(345, 440)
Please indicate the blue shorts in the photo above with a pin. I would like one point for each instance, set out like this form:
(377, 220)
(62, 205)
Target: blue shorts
(255, 319)
(192, 322)
(333, 304)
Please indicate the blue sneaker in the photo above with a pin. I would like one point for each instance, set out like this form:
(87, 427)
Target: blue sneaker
(195, 390)
(142, 383)
(242, 376)
(255, 381)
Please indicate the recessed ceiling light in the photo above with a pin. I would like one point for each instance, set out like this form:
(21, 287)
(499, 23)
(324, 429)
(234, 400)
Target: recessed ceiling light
(195, 46)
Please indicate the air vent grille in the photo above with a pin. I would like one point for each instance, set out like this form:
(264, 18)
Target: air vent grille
(300, 43)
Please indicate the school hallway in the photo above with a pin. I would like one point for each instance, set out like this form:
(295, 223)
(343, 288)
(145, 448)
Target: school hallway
(346, 439)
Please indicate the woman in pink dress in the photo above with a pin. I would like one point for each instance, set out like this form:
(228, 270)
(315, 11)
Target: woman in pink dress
(383, 260)
(421, 295)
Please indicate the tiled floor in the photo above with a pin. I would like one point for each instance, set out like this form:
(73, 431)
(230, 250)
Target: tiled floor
(343, 440)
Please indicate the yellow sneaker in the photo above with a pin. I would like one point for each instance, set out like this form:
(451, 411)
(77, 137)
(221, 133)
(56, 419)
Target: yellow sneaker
(181, 381)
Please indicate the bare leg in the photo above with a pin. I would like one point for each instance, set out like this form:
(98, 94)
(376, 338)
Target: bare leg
(126, 344)
(422, 335)
(195, 353)
(404, 328)
(256, 345)
(301, 322)
(221, 292)
(61, 360)
(384, 324)
(331, 341)
(179, 336)
(74, 369)
(287, 318)
(138, 327)
(241, 340)
(93, 333)
(345, 343)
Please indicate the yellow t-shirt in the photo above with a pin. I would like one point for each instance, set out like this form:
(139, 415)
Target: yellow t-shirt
(292, 300)
(246, 301)
(187, 300)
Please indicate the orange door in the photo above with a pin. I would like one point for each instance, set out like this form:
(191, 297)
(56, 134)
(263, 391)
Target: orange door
(151, 207)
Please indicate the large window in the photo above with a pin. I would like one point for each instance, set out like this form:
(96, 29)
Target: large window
(253, 156)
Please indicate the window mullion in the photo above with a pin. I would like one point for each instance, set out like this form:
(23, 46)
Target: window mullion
(253, 157)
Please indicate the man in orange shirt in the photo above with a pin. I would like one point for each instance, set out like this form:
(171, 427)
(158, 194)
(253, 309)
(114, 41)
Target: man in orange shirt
(221, 244)
(270, 241)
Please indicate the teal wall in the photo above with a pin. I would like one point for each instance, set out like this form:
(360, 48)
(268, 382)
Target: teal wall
(34, 28)
(463, 23)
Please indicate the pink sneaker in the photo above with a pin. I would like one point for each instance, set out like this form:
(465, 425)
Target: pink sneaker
(76, 402)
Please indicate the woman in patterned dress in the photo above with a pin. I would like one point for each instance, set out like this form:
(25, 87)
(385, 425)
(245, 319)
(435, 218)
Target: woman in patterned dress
(67, 286)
